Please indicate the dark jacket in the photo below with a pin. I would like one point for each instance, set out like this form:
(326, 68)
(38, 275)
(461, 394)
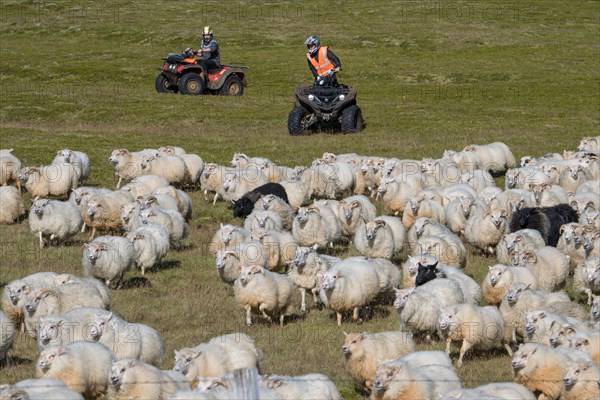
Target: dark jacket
(334, 59)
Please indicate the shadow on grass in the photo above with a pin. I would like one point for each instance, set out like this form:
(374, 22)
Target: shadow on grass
(15, 361)
(368, 313)
(136, 282)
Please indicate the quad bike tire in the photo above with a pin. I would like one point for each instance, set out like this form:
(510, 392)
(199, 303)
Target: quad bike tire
(191, 84)
(295, 121)
(163, 85)
(352, 120)
(233, 86)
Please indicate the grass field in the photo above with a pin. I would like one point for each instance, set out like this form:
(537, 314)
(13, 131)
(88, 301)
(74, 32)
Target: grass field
(431, 75)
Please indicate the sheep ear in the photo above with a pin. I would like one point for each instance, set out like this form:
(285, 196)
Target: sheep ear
(345, 334)
(520, 346)
(528, 286)
(542, 314)
(61, 351)
(456, 310)
(131, 363)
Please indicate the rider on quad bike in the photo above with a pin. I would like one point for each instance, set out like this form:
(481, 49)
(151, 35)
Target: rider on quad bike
(208, 51)
(323, 63)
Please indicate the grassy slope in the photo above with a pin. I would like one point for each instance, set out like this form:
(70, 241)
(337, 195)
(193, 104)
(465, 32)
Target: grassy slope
(430, 76)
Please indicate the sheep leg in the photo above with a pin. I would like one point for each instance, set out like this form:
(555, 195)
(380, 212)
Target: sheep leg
(41, 240)
(448, 342)
(281, 317)
(215, 198)
(206, 194)
(339, 318)
(262, 308)
(83, 228)
(589, 293)
(508, 349)
(119, 183)
(355, 315)
(463, 349)
(303, 303)
(248, 315)
(314, 293)
(93, 233)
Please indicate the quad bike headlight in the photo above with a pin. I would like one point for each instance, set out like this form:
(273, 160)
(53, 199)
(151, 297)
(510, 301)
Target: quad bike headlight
(311, 97)
(342, 97)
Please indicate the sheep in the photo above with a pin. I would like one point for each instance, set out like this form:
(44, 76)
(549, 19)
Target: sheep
(68, 327)
(388, 273)
(39, 389)
(271, 202)
(265, 291)
(512, 200)
(549, 265)
(173, 168)
(571, 242)
(297, 193)
(539, 322)
(382, 237)
(165, 201)
(363, 350)
(517, 242)
(466, 160)
(10, 166)
(546, 220)
(304, 269)
(82, 366)
(14, 295)
(49, 180)
(230, 260)
(127, 165)
(7, 335)
(184, 202)
(58, 300)
(80, 196)
(330, 179)
(497, 391)
(446, 248)
(104, 211)
(133, 379)
(518, 300)
(128, 340)
(499, 277)
(548, 195)
(562, 334)
(144, 185)
(170, 151)
(478, 179)
(54, 220)
(457, 213)
(419, 308)
(395, 193)
(212, 178)
(130, 216)
(91, 284)
(218, 357)
(279, 246)
(261, 219)
(595, 309)
(586, 278)
(469, 288)
(589, 144)
(541, 369)
(241, 160)
(591, 242)
(108, 258)
(11, 205)
(583, 201)
(588, 342)
(479, 327)
(573, 176)
(78, 159)
(419, 206)
(313, 225)
(172, 221)
(398, 379)
(581, 380)
(194, 166)
(151, 244)
(349, 285)
(441, 172)
(352, 210)
(485, 231)
(307, 387)
(245, 204)
(227, 236)
(427, 226)
(495, 157)
(240, 182)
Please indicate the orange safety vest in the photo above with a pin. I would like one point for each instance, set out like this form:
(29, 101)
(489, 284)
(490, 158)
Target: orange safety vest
(321, 62)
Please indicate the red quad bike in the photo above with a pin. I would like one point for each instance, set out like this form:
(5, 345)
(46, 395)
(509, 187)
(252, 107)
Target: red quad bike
(182, 73)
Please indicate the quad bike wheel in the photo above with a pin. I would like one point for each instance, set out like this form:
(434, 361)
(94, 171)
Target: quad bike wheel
(352, 120)
(233, 86)
(163, 85)
(295, 119)
(192, 84)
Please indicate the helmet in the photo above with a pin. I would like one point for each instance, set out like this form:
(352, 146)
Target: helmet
(207, 30)
(313, 40)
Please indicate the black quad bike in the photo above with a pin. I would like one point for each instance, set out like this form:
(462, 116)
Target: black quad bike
(325, 107)
(183, 73)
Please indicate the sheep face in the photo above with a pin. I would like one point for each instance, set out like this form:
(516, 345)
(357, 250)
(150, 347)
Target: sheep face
(532, 320)
(499, 218)
(514, 292)
(448, 317)
(210, 169)
(348, 209)
(560, 333)
(301, 257)
(495, 275)
(521, 357)
(591, 217)
(128, 211)
(146, 202)
(329, 279)
(48, 356)
(147, 216)
(580, 343)
(402, 296)
(39, 206)
(146, 160)
(302, 215)
(428, 165)
(415, 204)
(574, 171)
(93, 251)
(93, 208)
(353, 345)
(573, 371)
(100, 323)
(589, 240)
(49, 331)
(420, 224)
(118, 369)
(512, 178)
(79, 194)
(426, 273)
(386, 371)
(227, 233)
(183, 359)
(383, 186)
(239, 159)
(592, 270)
(248, 272)
(371, 229)
(33, 301)
(222, 258)
(525, 160)
(595, 311)
(466, 206)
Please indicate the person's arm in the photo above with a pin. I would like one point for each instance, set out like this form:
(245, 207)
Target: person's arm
(312, 69)
(337, 65)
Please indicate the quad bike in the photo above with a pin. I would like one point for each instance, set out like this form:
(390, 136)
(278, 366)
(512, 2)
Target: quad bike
(325, 106)
(183, 73)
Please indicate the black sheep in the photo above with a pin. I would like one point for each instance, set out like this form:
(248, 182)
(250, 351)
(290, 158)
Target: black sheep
(426, 273)
(546, 220)
(244, 206)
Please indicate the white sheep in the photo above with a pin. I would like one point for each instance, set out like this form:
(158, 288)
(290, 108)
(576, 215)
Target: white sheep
(104, 211)
(134, 379)
(470, 289)
(419, 206)
(127, 165)
(80, 196)
(170, 151)
(363, 350)
(7, 335)
(591, 241)
(108, 258)
(517, 242)
(485, 231)
(212, 178)
(595, 309)
(587, 341)
(39, 389)
(11, 205)
(478, 179)
(499, 278)
(270, 202)
(172, 221)
(419, 308)
(304, 269)
(279, 246)
(546, 195)
(313, 225)
(307, 387)
(446, 248)
(539, 323)
(54, 220)
(193, 164)
(352, 210)
(128, 340)
(10, 167)
(144, 185)
(466, 160)
(240, 160)
(395, 192)
(586, 278)
(479, 327)
(228, 236)
(49, 180)
(184, 201)
(494, 391)
(382, 237)
(349, 285)
(589, 143)
(240, 182)
(82, 366)
(78, 159)
(457, 213)
(172, 168)
(495, 157)
(165, 201)
(263, 219)
(230, 260)
(130, 216)
(296, 192)
(581, 380)
(549, 265)
(151, 244)
(582, 201)
(262, 290)
(570, 242)
(91, 284)
(571, 177)
(218, 357)
(68, 327)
